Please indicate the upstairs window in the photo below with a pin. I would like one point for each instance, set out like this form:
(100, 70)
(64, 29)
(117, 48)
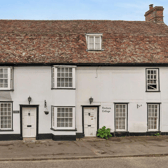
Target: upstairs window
(152, 80)
(6, 78)
(63, 77)
(94, 41)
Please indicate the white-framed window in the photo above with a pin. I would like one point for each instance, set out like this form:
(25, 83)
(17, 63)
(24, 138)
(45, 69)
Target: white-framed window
(153, 117)
(94, 41)
(6, 78)
(152, 79)
(5, 116)
(121, 117)
(63, 117)
(63, 76)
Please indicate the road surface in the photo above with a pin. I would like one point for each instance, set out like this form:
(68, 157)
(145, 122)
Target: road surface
(127, 162)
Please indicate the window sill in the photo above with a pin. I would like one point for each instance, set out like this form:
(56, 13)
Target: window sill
(121, 102)
(96, 50)
(7, 90)
(153, 103)
(5, 130)
(63, 88)
(121, 131)
(154, 91)
(63, 129)
(154, 131)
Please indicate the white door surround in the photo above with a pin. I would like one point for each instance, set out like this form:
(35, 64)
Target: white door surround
(29, 121)
(90, 121)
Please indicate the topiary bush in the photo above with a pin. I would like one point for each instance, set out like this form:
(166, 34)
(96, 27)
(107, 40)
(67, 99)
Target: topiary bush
(104, 132)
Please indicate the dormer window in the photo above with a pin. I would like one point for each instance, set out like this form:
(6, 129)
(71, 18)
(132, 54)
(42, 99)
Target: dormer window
(94, 41)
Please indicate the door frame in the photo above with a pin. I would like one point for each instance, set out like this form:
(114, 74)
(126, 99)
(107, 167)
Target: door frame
(83, 106)
(37, 119)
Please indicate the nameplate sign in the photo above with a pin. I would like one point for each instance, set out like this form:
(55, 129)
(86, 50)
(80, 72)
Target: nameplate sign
(106, 109)
(16, 111)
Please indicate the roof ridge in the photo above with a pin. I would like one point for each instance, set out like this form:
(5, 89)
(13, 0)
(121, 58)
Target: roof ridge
(72, 20)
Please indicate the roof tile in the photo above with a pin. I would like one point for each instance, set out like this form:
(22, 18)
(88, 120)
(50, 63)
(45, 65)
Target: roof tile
(27, 41)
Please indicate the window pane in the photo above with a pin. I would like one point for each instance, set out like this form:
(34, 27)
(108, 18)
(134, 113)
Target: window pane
(153, 115)
(152, 83)
(91, 43)
(5, 71)
(94, 42)
(70, 70)
(97, 43)
(62, 74)
(5, 115)
(120, 116)
(64, 117)
(4, 77)
(63, 77)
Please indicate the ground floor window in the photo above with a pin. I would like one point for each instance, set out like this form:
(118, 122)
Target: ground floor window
(5, 115)
(121, 117)
(63, 117)
(153, 117)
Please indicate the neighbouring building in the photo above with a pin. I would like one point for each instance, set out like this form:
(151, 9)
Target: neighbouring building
(63, 80)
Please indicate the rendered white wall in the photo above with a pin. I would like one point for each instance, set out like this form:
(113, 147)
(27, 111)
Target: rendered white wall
(35, 81)
(109, 85)
(105, 84)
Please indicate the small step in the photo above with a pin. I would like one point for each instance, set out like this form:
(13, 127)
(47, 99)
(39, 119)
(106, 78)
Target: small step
(91, 139)
(28, 139)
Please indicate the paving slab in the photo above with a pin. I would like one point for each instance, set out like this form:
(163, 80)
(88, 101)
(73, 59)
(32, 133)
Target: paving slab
(84, 148)
(48, 148)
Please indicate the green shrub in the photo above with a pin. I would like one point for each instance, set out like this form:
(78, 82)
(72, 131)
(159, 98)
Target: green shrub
(157, 134)
(104, 132)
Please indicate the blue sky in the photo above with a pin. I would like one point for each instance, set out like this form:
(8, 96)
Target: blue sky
(79, 9)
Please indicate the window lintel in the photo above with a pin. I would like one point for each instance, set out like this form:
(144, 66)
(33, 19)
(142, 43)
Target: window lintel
(64, 66)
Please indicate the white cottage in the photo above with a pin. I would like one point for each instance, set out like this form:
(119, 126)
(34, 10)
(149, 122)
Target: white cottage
(64, 80)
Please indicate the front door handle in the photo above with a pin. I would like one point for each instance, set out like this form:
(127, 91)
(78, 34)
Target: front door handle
(28, 125)
(89, 125)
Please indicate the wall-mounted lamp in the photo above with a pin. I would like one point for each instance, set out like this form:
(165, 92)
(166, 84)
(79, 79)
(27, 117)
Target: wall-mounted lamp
(46, 112)
(139, 105)
(29, 99)
(90, 100)
(45, 103)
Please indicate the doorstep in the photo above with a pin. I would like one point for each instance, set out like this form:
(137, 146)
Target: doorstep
(90, 139)
(29, 139)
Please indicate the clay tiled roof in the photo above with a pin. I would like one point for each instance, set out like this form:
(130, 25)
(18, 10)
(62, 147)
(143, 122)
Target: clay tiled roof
(23, 41)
